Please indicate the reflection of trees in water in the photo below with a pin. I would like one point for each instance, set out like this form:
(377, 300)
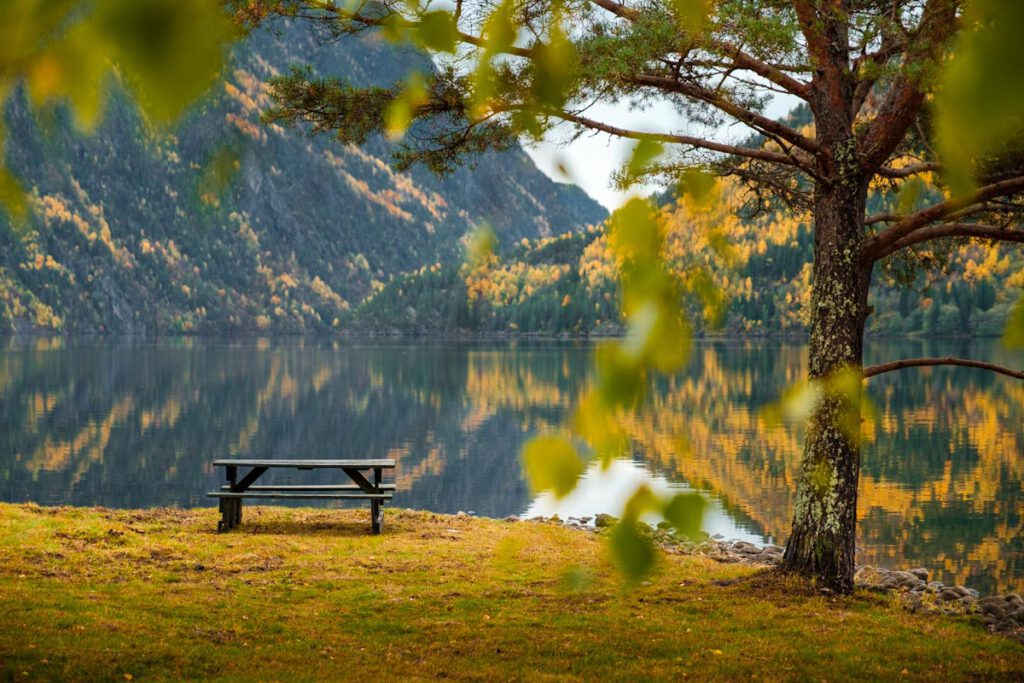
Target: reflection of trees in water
(139, 425)
(942, 472)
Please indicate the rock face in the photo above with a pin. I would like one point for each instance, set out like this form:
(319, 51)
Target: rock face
(129, 234)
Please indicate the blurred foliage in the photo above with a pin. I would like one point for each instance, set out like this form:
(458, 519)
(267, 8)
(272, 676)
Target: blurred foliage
(165, 52)
(980, 101)
(1014, 336)
(551, 463)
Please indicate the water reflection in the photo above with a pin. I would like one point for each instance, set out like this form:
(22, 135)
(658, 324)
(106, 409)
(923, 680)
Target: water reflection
(137, 425)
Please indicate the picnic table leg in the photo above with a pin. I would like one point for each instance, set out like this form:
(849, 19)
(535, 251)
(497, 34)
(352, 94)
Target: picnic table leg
(375, 516)
(223, 525)
(376, 511)
(227, 506)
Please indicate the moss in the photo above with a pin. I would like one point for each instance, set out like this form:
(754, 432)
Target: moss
(92, 594)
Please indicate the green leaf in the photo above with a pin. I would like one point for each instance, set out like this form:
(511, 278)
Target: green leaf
(437, 31)
(168, 51)
(576, 579)
(480, 245)
(499, 35)
(980, 100)
(394, 28)
(644, 153)
(12, 193)
(692, 15)
(554, 66)
(698, 185)
(402, 110)
(685, 512)
(633, 233)
(632, 550)
(640, 503)
(620, 378)
(1014, 335)
(908, 196)
(552, 464)
(12, 196)
(594, 423)
(218, 172)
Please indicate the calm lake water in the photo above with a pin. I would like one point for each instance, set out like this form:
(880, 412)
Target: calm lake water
(137, 425)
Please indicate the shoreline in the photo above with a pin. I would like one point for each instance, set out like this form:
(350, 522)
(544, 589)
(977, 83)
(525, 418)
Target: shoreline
(247, 336)
(1001, 613)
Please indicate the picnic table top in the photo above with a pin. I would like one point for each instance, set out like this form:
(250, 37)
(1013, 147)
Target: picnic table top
(307, 464)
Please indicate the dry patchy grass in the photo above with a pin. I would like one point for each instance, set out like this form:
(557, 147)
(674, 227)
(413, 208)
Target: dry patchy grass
(94, 594)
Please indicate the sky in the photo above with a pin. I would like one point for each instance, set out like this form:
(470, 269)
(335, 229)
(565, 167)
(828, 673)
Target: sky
(592, 158)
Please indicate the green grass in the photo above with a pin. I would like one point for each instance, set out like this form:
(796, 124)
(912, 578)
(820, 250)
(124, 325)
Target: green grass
(93, 594)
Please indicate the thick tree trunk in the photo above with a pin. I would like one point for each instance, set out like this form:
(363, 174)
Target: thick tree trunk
(823, 538)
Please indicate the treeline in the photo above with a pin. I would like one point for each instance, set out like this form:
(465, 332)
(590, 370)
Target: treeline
(566, 286)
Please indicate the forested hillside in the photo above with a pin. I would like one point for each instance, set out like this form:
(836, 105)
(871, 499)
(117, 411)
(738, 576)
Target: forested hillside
(231, 225)
(740, 274)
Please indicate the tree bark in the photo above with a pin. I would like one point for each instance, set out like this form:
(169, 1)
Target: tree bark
(822, 542)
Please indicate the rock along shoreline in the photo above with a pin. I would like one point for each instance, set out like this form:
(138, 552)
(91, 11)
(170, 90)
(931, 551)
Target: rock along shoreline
(1003, 614)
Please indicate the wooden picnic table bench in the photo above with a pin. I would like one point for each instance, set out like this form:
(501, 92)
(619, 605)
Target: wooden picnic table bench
(362, 488)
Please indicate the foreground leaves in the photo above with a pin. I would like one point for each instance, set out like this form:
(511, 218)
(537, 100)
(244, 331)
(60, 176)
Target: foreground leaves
(165, 52)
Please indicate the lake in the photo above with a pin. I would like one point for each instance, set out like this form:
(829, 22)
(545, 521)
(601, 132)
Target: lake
(138, 424)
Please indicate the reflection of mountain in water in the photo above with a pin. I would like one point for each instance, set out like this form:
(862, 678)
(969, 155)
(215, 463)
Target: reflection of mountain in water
(139, 425)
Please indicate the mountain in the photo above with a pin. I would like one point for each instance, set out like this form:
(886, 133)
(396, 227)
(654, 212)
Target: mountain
(228, 225)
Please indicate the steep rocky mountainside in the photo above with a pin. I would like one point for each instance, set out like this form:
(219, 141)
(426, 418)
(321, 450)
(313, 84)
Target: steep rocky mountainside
(229, 225)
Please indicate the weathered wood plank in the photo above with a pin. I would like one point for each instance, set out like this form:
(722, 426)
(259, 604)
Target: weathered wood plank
(304, 496)
(253, 474)
(357, 476)
(386, 463)
(309, 487)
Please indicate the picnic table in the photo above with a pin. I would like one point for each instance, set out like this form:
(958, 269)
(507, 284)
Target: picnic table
(236, 489)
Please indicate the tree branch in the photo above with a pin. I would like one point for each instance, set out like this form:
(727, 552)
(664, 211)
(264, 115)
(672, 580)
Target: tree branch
(906, 95)
(989, 232)
(747, 152)
(752, 119)
(923, 362)
(767, 71)
(618, 9)
(741, 59)
(909, 170)
(901, 229)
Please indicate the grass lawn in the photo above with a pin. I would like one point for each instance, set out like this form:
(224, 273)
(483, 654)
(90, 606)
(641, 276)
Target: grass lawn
(94, 594)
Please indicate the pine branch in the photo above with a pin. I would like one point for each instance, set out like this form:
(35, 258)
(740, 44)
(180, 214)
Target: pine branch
(747, 152)
(906, 95)
(909, 170)
(760, 123)
(877, 244)
(989, 232)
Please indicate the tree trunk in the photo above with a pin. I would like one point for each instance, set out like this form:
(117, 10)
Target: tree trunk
(824, 524)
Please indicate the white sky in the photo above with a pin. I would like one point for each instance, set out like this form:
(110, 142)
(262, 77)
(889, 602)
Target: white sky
(593, 158)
